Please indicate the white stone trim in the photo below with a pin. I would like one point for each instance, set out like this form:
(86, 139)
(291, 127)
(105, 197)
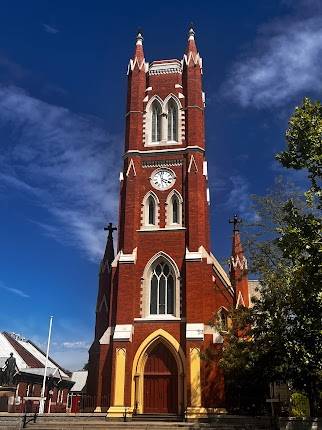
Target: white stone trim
(195, 331)
(205, 169)
(237, 262)
(170, 228)
(105, 339)
(103, 302)
(158, 318)
(131, 166)
(123, 332)
(240, 300)
(208, 195)
(164, 151)
(121, 178)
(217, 338)
(160, 68)
(133, 63)
(128, 258)
(193, 256)
(192, 163)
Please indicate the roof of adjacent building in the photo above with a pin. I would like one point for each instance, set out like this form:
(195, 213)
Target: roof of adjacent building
(27, 354)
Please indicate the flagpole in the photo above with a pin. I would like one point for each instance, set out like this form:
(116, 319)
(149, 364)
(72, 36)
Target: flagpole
(42, 399)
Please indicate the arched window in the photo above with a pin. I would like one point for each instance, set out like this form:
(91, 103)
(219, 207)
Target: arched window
(175, 210)
(223, 319)
(172, 121)
(162, 289)
(151, 210)
(156, 122)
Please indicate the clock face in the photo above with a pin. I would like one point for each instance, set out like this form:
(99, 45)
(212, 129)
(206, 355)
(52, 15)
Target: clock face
(162, 179)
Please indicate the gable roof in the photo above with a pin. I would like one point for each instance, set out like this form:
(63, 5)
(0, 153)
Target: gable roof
(27, 354)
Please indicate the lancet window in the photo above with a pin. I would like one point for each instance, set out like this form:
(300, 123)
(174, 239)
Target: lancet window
(172, 121)
(150, 211)
(156, 122)
(163, 121)
(162, 289)
(174, 210)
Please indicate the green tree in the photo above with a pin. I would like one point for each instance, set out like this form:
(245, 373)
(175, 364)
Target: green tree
(282, 333)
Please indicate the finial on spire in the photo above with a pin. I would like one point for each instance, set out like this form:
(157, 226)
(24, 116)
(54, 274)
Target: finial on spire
(235, 221)
(191, 32)
(191, 47)
(139, 37)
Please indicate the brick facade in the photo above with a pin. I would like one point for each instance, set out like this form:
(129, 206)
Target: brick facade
(202, 286)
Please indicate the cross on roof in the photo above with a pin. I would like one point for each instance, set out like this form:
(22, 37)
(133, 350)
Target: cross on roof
(110, 229)
(235, 221)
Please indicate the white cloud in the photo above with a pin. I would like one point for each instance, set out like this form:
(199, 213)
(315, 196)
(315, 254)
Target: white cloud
(66, 162)
(50, 29)
(15, 291)
(78, 344)
(238, 199)
(286, 62)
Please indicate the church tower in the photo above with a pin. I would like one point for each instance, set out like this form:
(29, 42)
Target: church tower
(158, 295)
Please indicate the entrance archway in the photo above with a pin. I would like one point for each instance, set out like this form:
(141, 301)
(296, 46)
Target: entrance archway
(160, 381)
(148, 349)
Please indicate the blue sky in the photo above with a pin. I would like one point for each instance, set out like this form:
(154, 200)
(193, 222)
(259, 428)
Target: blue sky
(62, 102)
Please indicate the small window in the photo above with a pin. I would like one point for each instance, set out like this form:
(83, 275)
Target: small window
(172, 121)
(156, 122)
(162, 290)
(175, 210)
(151, 210)
(223, 319)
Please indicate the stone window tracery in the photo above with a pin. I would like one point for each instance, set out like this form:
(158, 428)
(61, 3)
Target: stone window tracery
(162, 290)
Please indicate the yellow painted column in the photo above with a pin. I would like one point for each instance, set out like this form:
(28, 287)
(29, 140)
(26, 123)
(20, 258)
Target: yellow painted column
(119, 377)
(195, 381)
(118, 409)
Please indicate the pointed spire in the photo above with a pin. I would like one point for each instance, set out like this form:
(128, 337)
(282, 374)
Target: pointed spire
(109, 249)
(238, 266)
(138, 52)
(191, 47)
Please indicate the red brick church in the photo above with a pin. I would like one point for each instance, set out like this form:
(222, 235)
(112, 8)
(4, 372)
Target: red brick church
(159, 293)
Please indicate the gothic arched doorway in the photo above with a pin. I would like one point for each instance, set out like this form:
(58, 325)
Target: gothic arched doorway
(160, 381)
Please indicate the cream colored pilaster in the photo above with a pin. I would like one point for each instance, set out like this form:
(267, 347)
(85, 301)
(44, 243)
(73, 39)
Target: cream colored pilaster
(119, 377)
(118, 409)
(195, 381)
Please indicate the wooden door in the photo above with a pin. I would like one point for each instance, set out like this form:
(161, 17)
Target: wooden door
(160, 381)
